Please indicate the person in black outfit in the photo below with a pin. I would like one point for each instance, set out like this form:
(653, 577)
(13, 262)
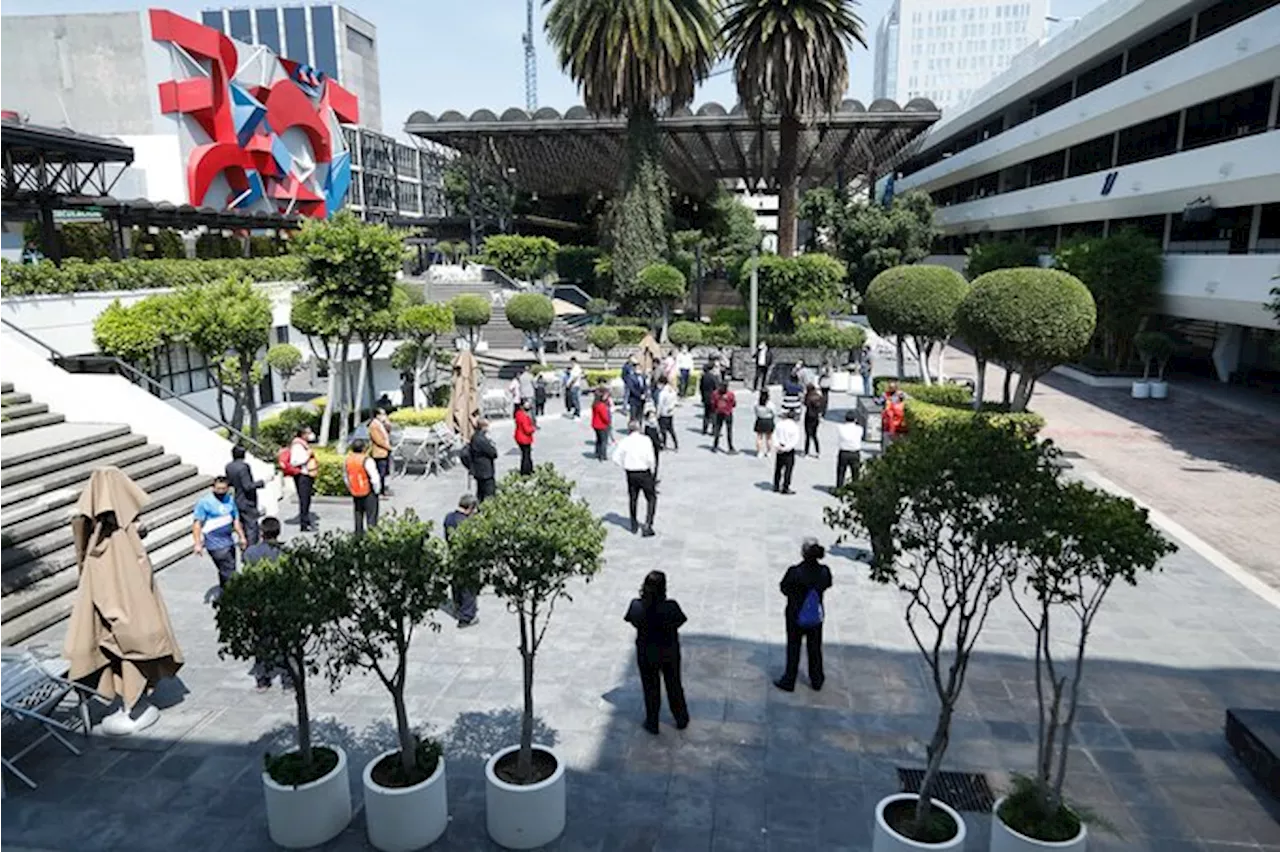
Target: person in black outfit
(483, 455)
(809, 575)
(706, 386)
(814, 407)
(657, 621)
(240, 475)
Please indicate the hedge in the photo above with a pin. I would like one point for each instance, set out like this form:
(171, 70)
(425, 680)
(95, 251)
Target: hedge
(923, 416)
(630, 335)
(418, 416)
(940, 394)
(329, 482)
(719, 335)
(597, 377)
(74, 276)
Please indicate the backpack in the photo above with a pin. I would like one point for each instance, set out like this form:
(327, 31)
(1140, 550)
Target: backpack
(464, 456)
(810, 614)
(357, 478)
(283, 459)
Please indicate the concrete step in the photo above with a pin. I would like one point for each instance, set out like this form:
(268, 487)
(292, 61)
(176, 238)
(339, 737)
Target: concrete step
(150, 474)
(14, 474)
(13, 398)
(24, 409)
(77, 473)
(6, 387)
(24, 424)
(21, 449)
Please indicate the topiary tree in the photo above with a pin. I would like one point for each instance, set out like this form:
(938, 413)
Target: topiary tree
(285, 359)
(470, 312)
(1153, 346)
(229, 322)
(685, 333)
(523, 258)
(604, 338)
(988, 255)
(916, 304)
(421, 327)
(531, 540)
(658, 287)
(597, 308)
(1029, 319)
(532, 313)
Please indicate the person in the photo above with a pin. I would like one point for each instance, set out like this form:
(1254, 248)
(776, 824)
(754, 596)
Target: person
(785, 440)
(655, 376)
(804, 585)
(483, 455)
(864, 370)
(540, 395)
(824, 385)
(849, 457)
(764, 359)
(602, 422)
(657, 620)
(361, 477)
(525, 382)
(633, 380)
(669, 367)
(766, 417)
(266, 550)
(240, 475)
(524, 436)
(813, 404)
(380, 448)
(654, 434)
(465, 608)
(893, 417)
(513, 391)
(216, 528)
(667, 413)
(684, 364)
(792, 392)
(635, 455)
(573, 389)
(723, 401)
(305, 467)
(707, 386)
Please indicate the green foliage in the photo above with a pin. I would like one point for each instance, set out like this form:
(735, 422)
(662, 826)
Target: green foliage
(80, 240)
(658, 287)
(830, 338)
(788, 282)
(210, 246)
(1023, 811)
(165, 243)
(531, 312)
(940, 394)
(917, 301)
(1153, 346)
(285, 359)
(351, 265)
(733, 317)
(523, 258)
(603, 337)
(871, 239)
(685, 333)
(267, 247)
(987, 255)
(279, 429)
(601, 377)
(924, 417)
(640, 216)
(598, 308)
(577, 265)
(619, 320)
(470, 311)
(719, 335)
(329, 481)
(129, 333)
(133, 274)
(630, 335)
(418, 416)
(424, 322)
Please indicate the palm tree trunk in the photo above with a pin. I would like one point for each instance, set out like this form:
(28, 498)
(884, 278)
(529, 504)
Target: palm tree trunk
(788, 167)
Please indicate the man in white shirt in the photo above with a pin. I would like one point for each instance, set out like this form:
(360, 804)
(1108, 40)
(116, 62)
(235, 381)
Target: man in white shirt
(667, 412)
(785, 439)
(763, 359)
(573, 389)
(635, 455)
(849, 458)
(684, 366)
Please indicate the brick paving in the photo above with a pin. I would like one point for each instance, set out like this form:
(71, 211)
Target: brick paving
(757, 769)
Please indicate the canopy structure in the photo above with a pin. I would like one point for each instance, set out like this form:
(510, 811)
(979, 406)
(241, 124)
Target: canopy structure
(580, 153)
(162, 214)
(41, 163)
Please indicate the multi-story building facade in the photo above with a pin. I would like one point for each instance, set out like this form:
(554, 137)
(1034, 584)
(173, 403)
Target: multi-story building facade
(1156, 116)
(944, 50)
(391, 180)
(331, 39)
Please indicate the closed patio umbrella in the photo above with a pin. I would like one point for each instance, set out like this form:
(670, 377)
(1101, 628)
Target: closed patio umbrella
(464, 397)
(650, 353)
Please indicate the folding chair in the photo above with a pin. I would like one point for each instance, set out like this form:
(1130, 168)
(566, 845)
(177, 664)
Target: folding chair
(32, 690)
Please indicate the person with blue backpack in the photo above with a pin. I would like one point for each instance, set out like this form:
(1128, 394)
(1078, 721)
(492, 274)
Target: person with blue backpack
(804, 585)
(657, 620)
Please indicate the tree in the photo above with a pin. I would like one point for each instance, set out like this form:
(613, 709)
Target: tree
(577, 265)
(1153, 346)
(870, 238)
(946, 518)
(523, 258)
(632, 58)
(1123, 273)
(230, 319)
(1031, 320)
(532, 313)
(830, 339)
(470, 312)
(916, 303)
(285, 359)
(791, 56)
(528, 543)
(598, 308)
(685, 333)
(604, 338)
(421, 327)
(999, 254)
(658, 287)
(131, 333)
(785, 283)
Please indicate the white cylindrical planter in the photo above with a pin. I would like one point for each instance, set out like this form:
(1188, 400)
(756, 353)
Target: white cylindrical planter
(400, 819)
(1159, 390)
(1141, 390)
(1005, 839)
(885, 839)
(312, 813)
(524, 816)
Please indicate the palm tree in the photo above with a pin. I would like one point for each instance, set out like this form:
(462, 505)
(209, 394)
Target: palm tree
(636, 58)
(790, 56)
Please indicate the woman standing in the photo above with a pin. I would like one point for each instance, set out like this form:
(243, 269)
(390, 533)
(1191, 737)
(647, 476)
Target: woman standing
(814, 405)
(602, 422)
(657, 621)
(804, 585)
(766, 417)
(824, 385)
(524, 436)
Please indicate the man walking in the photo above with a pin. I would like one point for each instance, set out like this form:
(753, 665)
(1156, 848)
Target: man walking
(634, 382)
(361, 476)
(524, 436)
(483, 456)
(849, 458)
(216, 528)
(785, 439)
(304, 468)
(635, 455)
(764, 358)
(380, 448)
(573, 389)
(667, 413)
(240, 475)
(707, 386)
(684, 364)
(465, 608)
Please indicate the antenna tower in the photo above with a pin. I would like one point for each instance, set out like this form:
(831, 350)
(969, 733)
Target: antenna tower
(530, 61)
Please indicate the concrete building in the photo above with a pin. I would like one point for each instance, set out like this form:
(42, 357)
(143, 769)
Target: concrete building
(331, 39)
(944, 50)
(1157, 116)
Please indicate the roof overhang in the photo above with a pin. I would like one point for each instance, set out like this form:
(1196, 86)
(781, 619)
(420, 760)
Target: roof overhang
(580, 153)
(162, 214)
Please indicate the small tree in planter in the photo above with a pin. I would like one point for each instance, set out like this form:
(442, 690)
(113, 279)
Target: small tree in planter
(470, 312)
(946, 518)
(532, 313)
(1153, 346)
(657, 288)
(685, 333)
(604, 338)
(285, 359)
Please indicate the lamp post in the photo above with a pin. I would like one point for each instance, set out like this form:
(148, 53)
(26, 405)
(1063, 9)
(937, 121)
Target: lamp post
(753, 306)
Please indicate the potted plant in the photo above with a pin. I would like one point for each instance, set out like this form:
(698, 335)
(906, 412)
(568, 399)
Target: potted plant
(1090, 539)
(280, 613)
(527, 543)
(1146, 343)
(1158, 347)
(393, 579)
(970, 485)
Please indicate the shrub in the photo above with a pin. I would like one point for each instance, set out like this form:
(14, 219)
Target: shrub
(134, 274)
(733, 317)
(531, 312)
(598, 377)
(809, 284)
(418, 416)
(829, 338)
(329, 481)
(523, 258)
(999, 254)
(719, 335)
(923, 417)
(657, 288)
(685, 333)
(630, 335)
(940, 394)
(918, 303)
(626, 320)
(577, 265)
(1153, 346)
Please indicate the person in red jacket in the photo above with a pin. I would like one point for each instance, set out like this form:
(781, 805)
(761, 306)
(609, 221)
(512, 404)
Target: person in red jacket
(723, 401)
(893, 417)
(524, 436)
(602, 422)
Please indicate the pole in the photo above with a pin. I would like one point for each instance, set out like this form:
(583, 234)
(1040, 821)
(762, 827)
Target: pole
(754, 305)
(697, 277)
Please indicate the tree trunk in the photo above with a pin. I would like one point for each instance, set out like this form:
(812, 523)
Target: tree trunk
(251, 403)
(980, 386)
(923, 352)
(1008, 382)
(1023, 392)
(332, 391)
(237, 413)
(942, 360)
(360, 385)
(344, 388)
(900, 366)
(524, 763)
(788, 165)
(937, 749)
(299, 675)
(407, 742)
(373, 394)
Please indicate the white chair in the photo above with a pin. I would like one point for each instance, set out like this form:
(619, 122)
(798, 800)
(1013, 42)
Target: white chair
(32, 690)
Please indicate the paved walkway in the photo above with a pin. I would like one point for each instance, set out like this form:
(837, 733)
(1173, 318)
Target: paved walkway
(757, 769)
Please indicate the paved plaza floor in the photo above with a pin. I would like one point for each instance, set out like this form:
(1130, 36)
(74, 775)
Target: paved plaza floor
(757, 769)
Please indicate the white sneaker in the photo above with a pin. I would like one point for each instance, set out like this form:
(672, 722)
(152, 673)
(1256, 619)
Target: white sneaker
(118, 724)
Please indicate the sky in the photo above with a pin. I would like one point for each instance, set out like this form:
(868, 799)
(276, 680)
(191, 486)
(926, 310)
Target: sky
(436, 55)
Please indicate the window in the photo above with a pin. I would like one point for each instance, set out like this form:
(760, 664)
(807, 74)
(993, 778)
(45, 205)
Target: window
(1226, 233)
(1146, 141)
(282, 334)
(326, 40)
(182, 370)
(1091, 156)
(268, 29)
(1051, 99)
(1160, 45)
(1151, 226)
(295, 31)
(1100, 75)
(1238, 114)
(241, 25)
(1269, 230)
(1218, 17)
(1045, 169)
(212, 18)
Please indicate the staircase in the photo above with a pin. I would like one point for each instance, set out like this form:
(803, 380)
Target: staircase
(44, 464)
(499, 333)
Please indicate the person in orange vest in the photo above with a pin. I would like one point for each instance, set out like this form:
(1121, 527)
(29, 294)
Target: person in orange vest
(380, 448)
(360, 473)
(893, 417)
(524, 436)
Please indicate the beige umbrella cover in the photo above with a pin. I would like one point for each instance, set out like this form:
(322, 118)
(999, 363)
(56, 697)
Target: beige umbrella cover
(119, 624)
(650, 353)
(464, 399)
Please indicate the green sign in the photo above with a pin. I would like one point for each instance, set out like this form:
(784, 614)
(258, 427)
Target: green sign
(81, 214)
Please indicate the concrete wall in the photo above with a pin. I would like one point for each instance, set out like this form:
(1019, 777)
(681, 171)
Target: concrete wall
(358, 46)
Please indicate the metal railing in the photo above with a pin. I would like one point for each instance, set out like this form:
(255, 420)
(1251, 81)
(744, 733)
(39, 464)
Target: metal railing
(136, 376)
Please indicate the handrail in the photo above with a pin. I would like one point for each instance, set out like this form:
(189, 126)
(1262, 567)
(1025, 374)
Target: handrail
(134, 372)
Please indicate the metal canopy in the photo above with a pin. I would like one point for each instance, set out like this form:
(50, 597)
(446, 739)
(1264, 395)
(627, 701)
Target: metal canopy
(163, 214)
(579, 153)
(46, 162)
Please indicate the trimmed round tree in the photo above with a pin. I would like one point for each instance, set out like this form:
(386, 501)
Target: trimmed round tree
(830, 339)
(657, 289)
(285, 359)
(605, 338)
(532, 313)
(1030, 319)
(917, 303)
(470, 311)
(685, 333)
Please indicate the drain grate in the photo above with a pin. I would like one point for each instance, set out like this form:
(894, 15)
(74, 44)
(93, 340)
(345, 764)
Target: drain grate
(964, 791)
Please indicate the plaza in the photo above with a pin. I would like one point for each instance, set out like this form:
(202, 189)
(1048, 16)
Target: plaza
(757, 769)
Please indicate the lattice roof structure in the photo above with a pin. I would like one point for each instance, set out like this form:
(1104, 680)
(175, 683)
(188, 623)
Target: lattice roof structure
(579, 153)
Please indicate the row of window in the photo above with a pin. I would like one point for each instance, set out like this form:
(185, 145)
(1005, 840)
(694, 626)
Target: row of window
(971, 13)
(1238, 114)
(1171, 39)
(262, 26)
(182, 370)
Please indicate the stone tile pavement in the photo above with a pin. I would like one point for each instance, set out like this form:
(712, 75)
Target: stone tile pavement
(757, 769)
